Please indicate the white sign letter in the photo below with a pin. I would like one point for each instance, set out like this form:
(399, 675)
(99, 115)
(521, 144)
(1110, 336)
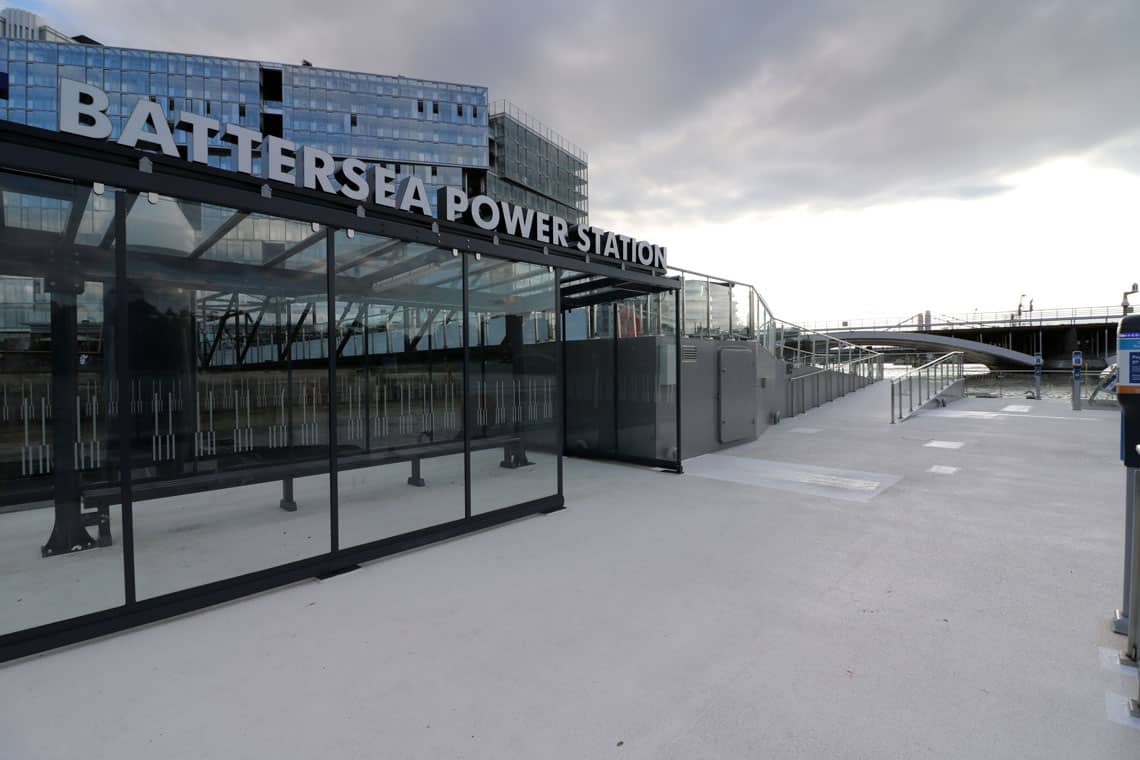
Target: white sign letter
(200, 128)
(82, 110)
(411, 195)
(315, 166)
(159, 135)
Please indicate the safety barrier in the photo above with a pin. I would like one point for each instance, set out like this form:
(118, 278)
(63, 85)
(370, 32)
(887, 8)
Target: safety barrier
(923, 384)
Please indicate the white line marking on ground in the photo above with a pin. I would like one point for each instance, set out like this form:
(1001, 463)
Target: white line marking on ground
(976, 415)
(944, 444)
(848, 485)
(1015, 408)
(941, 469)
(805, 430)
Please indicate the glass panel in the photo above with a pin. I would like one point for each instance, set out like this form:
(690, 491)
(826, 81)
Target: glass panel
(590, 373)
(645, 413)
(399, 313)
(229, 388)
(513, 401)
(59, 485)
(719, 310)
(696, 307)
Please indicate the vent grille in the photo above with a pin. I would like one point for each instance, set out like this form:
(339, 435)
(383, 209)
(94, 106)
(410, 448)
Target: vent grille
(688, 353)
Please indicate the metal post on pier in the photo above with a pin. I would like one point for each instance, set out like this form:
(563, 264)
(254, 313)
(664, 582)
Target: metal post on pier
(1078, 376)
(1037, 364)
(1122, 616)
(1128, 396)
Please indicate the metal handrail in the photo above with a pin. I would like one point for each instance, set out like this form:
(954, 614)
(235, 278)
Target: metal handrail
(828, 384)
(925, 383)
(765, 329)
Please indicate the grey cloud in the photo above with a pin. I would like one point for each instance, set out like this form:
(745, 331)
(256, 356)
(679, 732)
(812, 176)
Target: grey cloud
(715, 109)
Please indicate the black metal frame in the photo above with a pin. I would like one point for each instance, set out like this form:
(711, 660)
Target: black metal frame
(85, 162)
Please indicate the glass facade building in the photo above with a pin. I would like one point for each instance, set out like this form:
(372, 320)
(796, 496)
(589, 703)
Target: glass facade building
(534, 166)
(434, 130)
(208, 389)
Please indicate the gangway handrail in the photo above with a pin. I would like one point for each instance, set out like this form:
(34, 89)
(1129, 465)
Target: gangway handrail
(925, 383)
(765, 331)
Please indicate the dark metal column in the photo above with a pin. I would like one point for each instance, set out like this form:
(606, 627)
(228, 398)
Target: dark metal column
(288, 503)
(468, 416)
(64, 284)
(677, 369)
(330, 286)
(559, 374)
(123, 374)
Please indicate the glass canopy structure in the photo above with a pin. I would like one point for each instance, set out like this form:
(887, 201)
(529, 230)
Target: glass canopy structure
(211, 385)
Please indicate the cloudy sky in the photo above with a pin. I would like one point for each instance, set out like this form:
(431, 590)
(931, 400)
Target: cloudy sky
(848, 158)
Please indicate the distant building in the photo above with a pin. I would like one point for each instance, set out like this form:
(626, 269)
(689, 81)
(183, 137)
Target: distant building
(18, 24)
(532, 165)
(440, 132)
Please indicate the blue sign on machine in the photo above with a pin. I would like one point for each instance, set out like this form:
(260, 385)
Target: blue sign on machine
(1078, 365)
(1037, 362)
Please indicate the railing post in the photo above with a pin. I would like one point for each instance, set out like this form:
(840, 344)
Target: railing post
(892, 403)
(910, 389)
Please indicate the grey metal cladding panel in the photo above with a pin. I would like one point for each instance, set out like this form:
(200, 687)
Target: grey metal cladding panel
(736, 391)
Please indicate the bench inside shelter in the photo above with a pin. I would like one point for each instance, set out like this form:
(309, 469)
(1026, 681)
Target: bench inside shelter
(97, 502)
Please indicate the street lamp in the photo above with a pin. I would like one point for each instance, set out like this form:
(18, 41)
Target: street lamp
(1124, 301)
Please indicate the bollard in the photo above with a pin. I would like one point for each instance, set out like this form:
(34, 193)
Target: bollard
(1120, 619)
(1128, 396)
(1130, 653)
(1078, 376)
(1037, 364)
(1129, 656)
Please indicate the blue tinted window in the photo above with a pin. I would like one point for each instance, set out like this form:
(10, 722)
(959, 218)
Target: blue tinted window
(42, 52)
(135, 81)
(73, 55)
(134, 60)
(41, 74)
(42, 119)
(17, 96)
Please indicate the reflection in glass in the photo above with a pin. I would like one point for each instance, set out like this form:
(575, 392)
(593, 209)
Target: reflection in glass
(227, 345)
(60, 536)
(513, 385)
(399, 345)
(720, 310)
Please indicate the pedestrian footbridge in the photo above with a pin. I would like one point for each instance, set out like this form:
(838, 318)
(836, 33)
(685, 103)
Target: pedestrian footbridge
(975, 351)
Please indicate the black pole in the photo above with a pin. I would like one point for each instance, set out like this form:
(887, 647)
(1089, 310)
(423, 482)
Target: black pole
(614, 375)
(467, 410)
(123, 373)
(68, 533)
(559, 375)
(330, 284)
(288, 503)
(677, 366)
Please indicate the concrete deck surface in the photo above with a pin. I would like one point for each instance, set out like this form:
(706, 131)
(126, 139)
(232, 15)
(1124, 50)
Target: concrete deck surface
(819, 593)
